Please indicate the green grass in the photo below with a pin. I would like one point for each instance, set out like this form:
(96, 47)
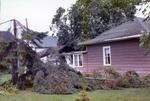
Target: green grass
(102, 95)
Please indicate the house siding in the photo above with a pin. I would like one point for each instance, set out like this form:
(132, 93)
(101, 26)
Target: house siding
(125, 56)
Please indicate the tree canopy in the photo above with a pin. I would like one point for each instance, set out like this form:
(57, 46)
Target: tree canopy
(88, 18)
(145, 39)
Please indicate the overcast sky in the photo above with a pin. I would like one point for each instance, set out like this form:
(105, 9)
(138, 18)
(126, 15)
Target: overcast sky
(38, 12)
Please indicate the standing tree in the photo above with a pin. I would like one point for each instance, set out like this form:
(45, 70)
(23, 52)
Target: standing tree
(88, 18)
(145, 39)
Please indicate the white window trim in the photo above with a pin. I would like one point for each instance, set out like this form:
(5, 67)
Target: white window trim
(104, 59)
(77, 60)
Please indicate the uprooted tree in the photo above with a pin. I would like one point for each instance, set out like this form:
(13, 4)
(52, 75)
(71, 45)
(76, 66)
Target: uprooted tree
(27, 68)
(16, 52)
(60, 79)
(44, 78)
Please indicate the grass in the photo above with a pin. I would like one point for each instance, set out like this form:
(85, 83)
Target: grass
(142, 94)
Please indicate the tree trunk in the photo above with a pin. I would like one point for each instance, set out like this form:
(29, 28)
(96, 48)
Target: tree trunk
(15, 57)
(14, 71)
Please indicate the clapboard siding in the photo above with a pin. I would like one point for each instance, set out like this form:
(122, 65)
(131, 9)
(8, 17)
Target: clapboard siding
(125, 55)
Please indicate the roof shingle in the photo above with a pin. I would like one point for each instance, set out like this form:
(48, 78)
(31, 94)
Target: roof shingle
(130, 29)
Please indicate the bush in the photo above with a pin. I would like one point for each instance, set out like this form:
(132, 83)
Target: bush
(130, 79)
(103, 79)
(83, 96)
(111, 73)
(113, 80)
(97, 74)
(94, 84)
(147, 80)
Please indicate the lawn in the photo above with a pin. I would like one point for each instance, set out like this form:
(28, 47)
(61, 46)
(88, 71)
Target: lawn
(102, 95)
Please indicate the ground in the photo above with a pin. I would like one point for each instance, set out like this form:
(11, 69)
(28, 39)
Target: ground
(140, 94)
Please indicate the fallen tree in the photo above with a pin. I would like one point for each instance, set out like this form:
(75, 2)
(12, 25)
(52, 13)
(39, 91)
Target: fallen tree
(60, 79)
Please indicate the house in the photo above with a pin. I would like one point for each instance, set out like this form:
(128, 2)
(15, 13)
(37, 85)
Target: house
(75, 59)
(6, 36)
(46, 49)
(117, 48)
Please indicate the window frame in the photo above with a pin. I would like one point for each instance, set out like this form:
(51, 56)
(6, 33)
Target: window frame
(78, 64)
(104, 56)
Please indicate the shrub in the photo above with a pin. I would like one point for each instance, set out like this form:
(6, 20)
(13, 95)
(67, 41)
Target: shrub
(111, 73)
(83, 96)
(103, 79)
(130, 79)
(147, 80)
(97, 74)
(111, 84)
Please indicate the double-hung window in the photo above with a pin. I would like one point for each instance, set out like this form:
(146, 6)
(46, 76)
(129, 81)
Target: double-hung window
(77, 60)
(106, 56)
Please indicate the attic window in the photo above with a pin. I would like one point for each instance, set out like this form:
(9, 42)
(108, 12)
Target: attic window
(106, 56)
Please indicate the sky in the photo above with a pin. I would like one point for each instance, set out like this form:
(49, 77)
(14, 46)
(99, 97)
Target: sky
(38, 12)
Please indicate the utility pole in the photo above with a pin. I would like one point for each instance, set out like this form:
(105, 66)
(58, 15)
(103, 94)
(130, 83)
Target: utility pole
(26, 20)
(15, 28)
(26, 23)
(15, 56)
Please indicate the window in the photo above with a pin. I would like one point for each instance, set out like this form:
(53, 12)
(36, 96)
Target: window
(69, 59)
(78, 60)
(106, 56)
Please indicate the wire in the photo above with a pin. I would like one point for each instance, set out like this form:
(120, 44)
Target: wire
(6, 21)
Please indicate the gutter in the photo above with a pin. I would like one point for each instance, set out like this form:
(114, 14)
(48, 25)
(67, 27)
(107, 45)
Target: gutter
(113, 39)
(123, 38)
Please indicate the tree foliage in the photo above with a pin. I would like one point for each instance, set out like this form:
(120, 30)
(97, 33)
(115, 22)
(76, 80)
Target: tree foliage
(88, 18)
(66, 26)
(34, 37)
(17, 55)
(145, 39)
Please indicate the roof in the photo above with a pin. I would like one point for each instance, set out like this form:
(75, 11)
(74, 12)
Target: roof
(49, 51)
(47, 42)
(128, 30)
(6, 36)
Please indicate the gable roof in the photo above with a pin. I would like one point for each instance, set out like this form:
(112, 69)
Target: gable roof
(47, 42)
(127, 30)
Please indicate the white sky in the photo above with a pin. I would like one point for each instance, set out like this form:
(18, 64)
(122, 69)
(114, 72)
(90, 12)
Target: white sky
(38, 12)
